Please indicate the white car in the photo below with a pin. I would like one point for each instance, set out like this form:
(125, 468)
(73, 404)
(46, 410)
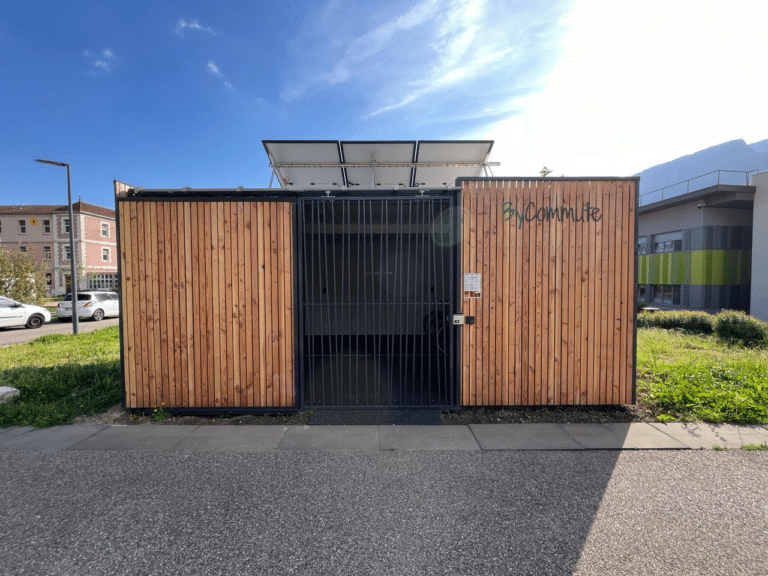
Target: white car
(14, 313)
(93, 304)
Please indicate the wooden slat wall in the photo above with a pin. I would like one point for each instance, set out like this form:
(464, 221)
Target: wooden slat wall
(555, 322)
(207, 295)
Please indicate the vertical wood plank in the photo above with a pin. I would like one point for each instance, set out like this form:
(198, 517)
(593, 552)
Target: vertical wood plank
(490, 299)
(629, 240)
(242, 349)
(499, 315)
(196, 279)
(157, 382)
(189, 350)
(506, 301)
(255, 290)
(177, 262)
(274, 292)
(167, 288)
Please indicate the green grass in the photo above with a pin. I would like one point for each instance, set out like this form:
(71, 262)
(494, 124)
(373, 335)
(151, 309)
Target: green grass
(60, 376)
(681, 377)
(697, 377)
(755, 447)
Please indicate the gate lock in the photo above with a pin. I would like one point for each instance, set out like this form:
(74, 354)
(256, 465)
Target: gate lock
(460, 319)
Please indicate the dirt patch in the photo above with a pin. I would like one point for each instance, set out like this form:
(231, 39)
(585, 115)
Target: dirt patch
(552, 414)
(119, 415)
(567, 414)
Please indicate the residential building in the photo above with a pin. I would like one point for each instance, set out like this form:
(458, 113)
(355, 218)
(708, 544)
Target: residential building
(44, 231)
(695, 250)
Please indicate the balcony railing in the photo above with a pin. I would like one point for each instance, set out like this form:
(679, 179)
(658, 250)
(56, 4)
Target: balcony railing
(733, 177)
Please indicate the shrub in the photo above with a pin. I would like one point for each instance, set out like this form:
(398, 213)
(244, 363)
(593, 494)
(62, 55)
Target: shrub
(737, 327)
(685, 320)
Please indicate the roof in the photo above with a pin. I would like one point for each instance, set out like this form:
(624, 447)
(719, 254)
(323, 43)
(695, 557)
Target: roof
(24, 209)
(359, 165)
(719, 195)
(43, 209)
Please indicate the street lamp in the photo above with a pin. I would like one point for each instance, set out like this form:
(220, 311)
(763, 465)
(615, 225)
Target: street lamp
(72, 257)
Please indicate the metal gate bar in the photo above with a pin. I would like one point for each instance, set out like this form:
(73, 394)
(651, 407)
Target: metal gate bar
(378, 291)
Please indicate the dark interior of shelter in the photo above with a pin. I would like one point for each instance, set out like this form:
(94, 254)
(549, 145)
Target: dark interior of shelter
(377, 298)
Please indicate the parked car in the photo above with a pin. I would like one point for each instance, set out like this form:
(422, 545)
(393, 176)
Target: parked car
(95, 305)
(13, 313)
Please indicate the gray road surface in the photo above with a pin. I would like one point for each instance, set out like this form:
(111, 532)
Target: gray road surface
(600, 512)
(19, 335)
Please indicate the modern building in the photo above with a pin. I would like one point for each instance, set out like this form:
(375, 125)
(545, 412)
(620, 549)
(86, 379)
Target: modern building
(44, 231)
(379, 275)
(695, 250)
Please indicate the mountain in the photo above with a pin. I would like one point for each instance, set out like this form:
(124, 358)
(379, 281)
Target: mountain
(734, 155)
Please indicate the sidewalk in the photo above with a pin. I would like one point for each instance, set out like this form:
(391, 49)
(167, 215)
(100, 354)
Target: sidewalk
(223, 438)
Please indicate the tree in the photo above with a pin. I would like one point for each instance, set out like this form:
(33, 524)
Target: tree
(22, 276)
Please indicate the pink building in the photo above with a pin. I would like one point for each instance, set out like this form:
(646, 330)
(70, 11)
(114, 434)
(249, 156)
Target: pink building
(44, 231)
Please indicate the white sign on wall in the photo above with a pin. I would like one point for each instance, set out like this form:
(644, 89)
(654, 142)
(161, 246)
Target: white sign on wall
(473, 284)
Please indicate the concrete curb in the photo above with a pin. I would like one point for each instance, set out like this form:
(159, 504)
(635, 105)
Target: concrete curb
(474, 437)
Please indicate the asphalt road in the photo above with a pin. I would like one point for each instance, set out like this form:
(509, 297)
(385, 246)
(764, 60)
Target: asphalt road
(19, 335)
(400, 513)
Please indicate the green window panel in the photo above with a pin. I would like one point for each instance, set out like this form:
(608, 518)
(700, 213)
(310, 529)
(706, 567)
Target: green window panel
(703, 267)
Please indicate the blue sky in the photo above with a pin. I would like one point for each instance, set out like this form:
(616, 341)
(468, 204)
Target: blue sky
(181, 94)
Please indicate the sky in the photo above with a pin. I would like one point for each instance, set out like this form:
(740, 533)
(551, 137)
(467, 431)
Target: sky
(180, 94)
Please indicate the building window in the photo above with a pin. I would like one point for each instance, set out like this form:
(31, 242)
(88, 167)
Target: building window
(46, 226)
(66, 225)
(22, 226)
(48, 279)
(104, 230)
(67, 253)
(666, 294)
(46, 252)
(642, 296)
(1, 226)
(102, 282)
(641, 246)
(22, 248)
(105, 254)
(669, 242)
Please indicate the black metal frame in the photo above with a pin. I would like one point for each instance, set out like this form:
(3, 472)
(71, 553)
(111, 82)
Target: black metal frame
(318, 351)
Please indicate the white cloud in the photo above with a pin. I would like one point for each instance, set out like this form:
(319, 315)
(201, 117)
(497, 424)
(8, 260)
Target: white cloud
(213, 69)
(182, 25)
(638, 84)
(435, 58)
(104, 62)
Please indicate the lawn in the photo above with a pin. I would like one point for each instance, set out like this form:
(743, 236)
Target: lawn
(60, 376)
(697, 377)
(680, 377)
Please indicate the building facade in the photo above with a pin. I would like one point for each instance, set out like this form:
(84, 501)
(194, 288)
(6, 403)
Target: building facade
(695, 250)
(43, 230)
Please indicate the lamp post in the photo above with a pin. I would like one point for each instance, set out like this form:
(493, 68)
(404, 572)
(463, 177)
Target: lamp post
(72, 256)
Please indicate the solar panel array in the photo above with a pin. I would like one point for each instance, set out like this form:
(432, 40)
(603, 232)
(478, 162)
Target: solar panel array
(371, 165)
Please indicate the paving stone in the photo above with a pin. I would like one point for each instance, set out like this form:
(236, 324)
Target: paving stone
(8, 393)
(330, 438)
(700, 435)
(233, 438)
(55, 438)
(523, 437)
(753, 434)
(640, 436)
(426, 438)
(594, 436)
(135, 438)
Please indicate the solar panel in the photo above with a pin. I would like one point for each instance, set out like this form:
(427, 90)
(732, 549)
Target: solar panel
(290, 156)
(370, 176)
(458, 158)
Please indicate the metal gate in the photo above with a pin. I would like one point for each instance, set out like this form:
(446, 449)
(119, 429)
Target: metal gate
(377, 298)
